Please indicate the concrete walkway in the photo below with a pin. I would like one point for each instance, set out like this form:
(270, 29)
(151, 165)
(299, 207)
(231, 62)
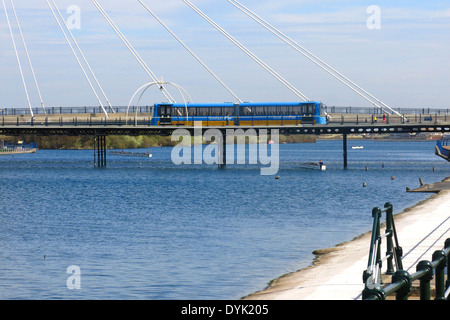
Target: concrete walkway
(337, 272)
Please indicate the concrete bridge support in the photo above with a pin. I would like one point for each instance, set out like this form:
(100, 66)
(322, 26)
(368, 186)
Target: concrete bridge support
(100, 151)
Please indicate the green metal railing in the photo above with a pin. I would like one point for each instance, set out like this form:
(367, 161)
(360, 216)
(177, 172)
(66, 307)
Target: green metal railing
(401, 280)
(372, 275)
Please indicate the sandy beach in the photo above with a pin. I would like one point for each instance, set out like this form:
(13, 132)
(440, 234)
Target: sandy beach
(336, 273)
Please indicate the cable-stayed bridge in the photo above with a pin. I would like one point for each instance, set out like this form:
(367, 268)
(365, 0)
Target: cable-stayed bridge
(133, 122)
(168, 89)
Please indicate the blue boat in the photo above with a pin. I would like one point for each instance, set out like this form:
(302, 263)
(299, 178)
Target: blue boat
(442, 149)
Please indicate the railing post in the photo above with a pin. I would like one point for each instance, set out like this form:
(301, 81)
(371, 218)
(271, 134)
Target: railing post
(389, 244)
(440, 259)
(425, 290)
(405, 279)
(374, 257)
(374, 293)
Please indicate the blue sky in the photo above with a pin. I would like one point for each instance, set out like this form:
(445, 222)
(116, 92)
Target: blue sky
(404, 63)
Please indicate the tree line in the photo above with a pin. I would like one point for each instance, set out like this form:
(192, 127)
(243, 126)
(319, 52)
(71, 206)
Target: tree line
(119, 142)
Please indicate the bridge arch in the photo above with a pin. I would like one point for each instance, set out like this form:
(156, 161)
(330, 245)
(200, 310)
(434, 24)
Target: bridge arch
(146, 86)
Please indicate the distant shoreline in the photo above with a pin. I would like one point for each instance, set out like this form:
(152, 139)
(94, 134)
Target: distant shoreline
(139, 142)
(18, 152)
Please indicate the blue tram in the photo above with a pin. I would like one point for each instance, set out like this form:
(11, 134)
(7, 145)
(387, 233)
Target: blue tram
(242, 114)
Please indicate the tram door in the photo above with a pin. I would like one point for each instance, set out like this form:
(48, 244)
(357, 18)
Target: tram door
(165, 114)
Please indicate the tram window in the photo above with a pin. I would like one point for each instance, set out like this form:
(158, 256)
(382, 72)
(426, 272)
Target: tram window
(308, 109)
(228, 111)
(176, 112)
(321, 109)
(203, 111)
(245, 111)
(296, 110)
(284, 110)
(263, 111)
(192, 111)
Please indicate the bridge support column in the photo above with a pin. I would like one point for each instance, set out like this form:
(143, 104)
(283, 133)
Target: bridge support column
(100, 151)
(344, 138)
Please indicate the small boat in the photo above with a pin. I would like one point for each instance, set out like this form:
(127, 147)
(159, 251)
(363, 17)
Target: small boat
(357, 147)
(314, 165)
(132, 154)
(19, 148)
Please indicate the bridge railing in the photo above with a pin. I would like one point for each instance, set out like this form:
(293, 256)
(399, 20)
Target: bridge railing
(378, 111)
(73, 110)
(389, 119)
(402, 281)
(75, 121)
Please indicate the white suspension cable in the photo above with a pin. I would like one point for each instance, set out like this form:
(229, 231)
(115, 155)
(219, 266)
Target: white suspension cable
(248, 52)
(190, 51)
(18, 59)
(76, 57)
(28, 56)
(132, 50)
(339, 76)
(83, 56)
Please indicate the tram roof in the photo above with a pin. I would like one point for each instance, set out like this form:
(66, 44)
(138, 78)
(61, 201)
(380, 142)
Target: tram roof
(231, 104)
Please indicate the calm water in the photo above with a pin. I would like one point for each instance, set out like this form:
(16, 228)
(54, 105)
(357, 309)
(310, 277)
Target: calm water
(148, 229)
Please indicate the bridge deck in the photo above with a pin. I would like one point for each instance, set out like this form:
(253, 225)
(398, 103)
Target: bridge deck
(71, 124)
